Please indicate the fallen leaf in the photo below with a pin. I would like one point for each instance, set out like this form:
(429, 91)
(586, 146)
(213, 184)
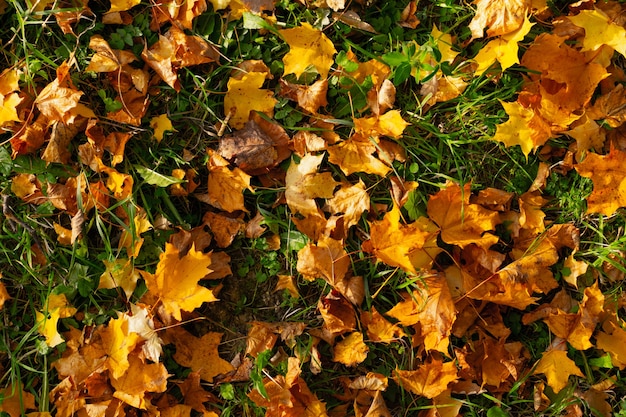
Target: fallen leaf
(504, 49)
(390, 124)
(304, 184)
(160, 124)
(56, 308)
(394, 243)
(307, 47)
(351, 200)
(15, 401)
(557, 367)
(119, 273)
(600, 30)
(351, 351)
(245, 95)
(608, 173)
(226, 186)
(462, 223)
(140, 380)
(431, 310)
(118, 342)
(613, 341)
(429, 380)
(379, 329)
(499, 16)
(355, 155)
(175, 282)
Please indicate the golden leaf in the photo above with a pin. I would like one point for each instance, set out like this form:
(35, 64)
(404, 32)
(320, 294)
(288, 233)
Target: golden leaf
(56, 308)
(119, 273)
(160, 124)
(355, 155)
(504, 50)
(140, 379)
(175, 282)
(499, 16)
(600, 30)
(462, 223)
(390, 124)
(429, 380)
(608, 173)
(351, 351)
(198, 353)
(557, 368)
(307, 47)
(118, 342)
(394, 243)
(245, 95)
(226, 186)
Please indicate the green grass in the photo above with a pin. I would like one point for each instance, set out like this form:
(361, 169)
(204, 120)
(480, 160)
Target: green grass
(448, 141)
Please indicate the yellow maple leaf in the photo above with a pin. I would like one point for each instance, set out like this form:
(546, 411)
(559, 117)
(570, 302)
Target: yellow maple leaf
(394, 243)
(119, 273)
(557, 368)
(245, 95)
(600, 30)
(307, 47)
(462, 223)
(504, 50)
(175, 282)
(351, 351)
(613, 341)
(57, 307)
(608, 173)
(429, 379)
(390, 124)
(118, 342)
(304, 184)
(351, 200)
(8, 108)
(161, 124)
(355, 155)
(524, 128)
(379, 329)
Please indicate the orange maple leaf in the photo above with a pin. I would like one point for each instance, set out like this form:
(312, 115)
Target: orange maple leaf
(462, 223)
(15, 401)
(429, 379)
(175, 282)
(432, 309)
(357, 155)
(226, 186)
(140, 379)
(198, 353)
(396, 244)
(608, 173)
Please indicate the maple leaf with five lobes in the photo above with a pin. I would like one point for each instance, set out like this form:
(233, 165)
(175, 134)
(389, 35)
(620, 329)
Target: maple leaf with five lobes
(503, 50)
(557, 367)
(245, 95)
(608, 173)
(390, 124)
(429, 380)
(524, 128)
(175, 282)
(118, 342)
(307, 47)
(394, 243)
(355, 155)
(462, 223)
(57, 307)
(600, 30)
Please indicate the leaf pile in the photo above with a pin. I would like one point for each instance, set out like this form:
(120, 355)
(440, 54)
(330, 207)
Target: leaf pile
(317, 125)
